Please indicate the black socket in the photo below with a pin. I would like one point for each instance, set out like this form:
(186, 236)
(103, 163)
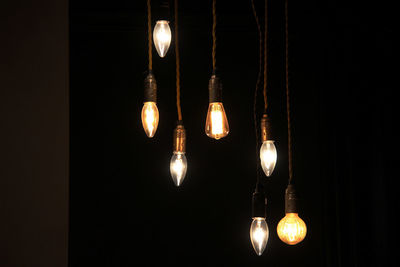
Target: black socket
(258, 203)
(150, 88)
(214, 89)
(290, 199)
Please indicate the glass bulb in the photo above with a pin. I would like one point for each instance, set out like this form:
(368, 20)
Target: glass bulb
(150, 118)
(268, 157)
(178, 167)
(292, 229)
(259, 234)
(216, 123)
(162, 37)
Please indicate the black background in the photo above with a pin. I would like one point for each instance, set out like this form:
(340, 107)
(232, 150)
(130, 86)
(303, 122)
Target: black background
(124, 207)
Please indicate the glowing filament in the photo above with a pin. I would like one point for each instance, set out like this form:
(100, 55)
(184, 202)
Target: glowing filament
(216, 123)
(150, 118)
(292, 229)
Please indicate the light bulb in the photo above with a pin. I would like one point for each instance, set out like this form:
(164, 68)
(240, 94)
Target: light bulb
(259, 234)
(268, 157)
(150, 118)
(292, 229)
(162, 37)
(178, 167)
(216, 123)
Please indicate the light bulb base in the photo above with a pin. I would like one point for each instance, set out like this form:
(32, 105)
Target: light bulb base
(150, 88)
(214, 89)
(179, 138)
(265, 124)
(290, 199)
(258, 205)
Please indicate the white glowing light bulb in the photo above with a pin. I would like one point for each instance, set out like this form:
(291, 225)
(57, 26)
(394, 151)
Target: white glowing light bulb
(178, 167)
(259, 234)
(162, 37)
(268, 157)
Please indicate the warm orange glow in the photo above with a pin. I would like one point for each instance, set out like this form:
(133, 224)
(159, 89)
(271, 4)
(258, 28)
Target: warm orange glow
(216, 123)
(150, 118)
(292, 229)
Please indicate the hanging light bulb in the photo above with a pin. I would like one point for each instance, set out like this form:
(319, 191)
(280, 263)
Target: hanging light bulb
(291, 228)
(268, 153)
(150, 114)
(217, 125)
(268, 157)
(259, 232)
(162, 37)
(178, 164)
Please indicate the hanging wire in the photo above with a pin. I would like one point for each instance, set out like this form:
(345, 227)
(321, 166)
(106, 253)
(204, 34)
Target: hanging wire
(265, 58)
(178, 87)
(214, 36)
(256, 92)
(149, 35)
(287, 94)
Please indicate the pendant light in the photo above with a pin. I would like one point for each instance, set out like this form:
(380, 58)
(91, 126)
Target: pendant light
(268, 154)
(217, 125)
(259, 232)
(291, 229)
(178, 163)
(150, 116)
(162, 31)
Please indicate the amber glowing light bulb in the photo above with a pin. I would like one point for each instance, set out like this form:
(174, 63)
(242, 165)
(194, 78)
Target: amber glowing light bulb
(150, 116)
(291, 229)
(217, 125)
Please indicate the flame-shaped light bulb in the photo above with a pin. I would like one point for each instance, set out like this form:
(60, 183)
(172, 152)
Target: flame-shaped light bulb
(178, 167)
(178, 164)
(150, 118)
(162, 37)
(268, 157)
(259, 234)
(292, 229)
(216, 123)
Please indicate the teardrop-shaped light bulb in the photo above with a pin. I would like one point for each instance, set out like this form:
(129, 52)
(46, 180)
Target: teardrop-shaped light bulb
(259, 234)
(292, 229)
(178, 167)
(216, 123)
(268, 157)
(162, 37)
(150, 118)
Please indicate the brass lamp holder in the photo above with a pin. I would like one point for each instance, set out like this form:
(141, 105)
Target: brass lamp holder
(265, 128)
(179, 138)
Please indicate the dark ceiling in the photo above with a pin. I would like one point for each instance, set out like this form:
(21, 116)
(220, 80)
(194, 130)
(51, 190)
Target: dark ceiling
(125, 209)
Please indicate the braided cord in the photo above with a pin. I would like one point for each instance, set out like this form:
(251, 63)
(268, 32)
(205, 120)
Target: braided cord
(287, 94)
(265, 59)
(149, 34)
(214, 36)
(256, 93)
(178, 87)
